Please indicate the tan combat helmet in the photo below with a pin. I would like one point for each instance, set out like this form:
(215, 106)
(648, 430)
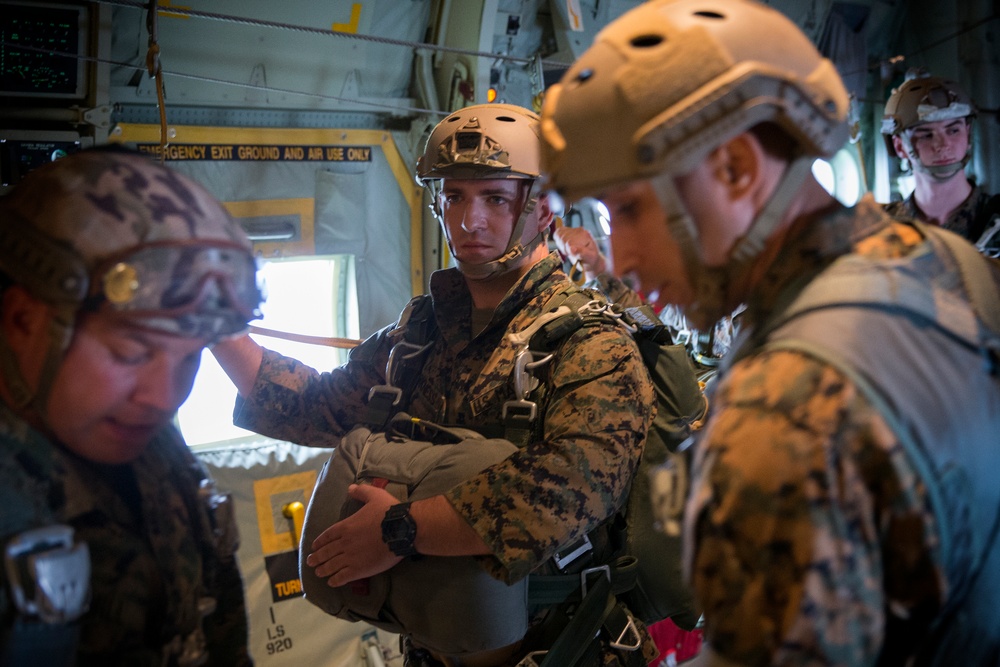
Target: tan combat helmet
(111, 230)
(665, 84)
(923, 98)
(486, 141)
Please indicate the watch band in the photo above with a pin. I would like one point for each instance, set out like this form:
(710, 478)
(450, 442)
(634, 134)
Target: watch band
(399, 530)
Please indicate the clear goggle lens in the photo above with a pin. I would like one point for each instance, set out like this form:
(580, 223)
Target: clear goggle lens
(193, 288)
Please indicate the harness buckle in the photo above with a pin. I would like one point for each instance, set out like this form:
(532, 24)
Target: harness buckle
(386, 390)
(606, 569)
(634, 638)
(531, 660)
(520, 410)
(576, 549)
(49, 574)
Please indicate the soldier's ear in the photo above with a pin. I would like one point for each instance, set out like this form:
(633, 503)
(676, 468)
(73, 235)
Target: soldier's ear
(736, 164)
(897, 144)
(24, 321)
(22, 316)
(546, 218)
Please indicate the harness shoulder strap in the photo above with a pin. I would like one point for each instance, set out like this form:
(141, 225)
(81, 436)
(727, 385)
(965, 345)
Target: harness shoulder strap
(976, 275)
(413, 334)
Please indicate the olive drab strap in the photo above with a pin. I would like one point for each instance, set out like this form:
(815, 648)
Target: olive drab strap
(414, 333)
(535, 345)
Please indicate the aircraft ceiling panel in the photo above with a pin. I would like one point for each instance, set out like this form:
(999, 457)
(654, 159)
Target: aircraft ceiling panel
(222, 61)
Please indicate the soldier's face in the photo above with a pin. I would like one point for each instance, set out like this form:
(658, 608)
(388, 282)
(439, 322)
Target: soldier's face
(118, 386)
(642, 247)
(479, 217)
(939, 142)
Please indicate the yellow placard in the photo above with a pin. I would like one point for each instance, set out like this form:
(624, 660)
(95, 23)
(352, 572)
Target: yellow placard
(303, 209)
(272, 540)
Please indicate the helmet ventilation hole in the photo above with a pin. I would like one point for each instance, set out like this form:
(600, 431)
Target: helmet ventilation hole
(646, 41)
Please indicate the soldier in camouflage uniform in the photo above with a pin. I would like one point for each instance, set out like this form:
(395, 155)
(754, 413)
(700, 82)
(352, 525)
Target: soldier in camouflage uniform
(595, 404)
(928, 125)
(116, 273)
(816, 533)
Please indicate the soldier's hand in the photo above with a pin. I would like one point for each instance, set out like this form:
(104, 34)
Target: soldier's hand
(352, 548)
(577, 245)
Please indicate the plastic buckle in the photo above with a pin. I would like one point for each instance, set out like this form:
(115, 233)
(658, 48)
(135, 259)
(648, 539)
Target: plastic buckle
(579, 548)
(530, 659)
(631, 630)
(49, 575)
(386, 390)
(590, 570)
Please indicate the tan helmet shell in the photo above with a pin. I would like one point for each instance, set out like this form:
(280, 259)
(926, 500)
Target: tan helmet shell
(668, 81)
(483, 141)
(925, 99)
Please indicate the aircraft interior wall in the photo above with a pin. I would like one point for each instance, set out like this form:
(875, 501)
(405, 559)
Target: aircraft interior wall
(306, 119)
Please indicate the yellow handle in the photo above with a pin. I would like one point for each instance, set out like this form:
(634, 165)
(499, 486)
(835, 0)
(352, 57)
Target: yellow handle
(295, 511)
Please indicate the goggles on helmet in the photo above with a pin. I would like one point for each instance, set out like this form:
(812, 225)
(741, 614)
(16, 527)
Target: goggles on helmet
(191, 288)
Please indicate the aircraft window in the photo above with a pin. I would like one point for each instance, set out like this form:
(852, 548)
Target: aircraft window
(840, 176)
(327, 308)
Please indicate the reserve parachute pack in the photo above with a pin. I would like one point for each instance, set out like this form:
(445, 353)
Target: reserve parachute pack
(950, 347)
(636, 554)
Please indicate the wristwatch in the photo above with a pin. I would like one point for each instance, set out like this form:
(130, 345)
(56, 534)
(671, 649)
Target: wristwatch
(399, 530)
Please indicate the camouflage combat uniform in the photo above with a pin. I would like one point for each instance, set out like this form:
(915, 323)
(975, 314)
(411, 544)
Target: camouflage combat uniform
(596, 404)
(969, 220)
(150, 536)
(807, 519)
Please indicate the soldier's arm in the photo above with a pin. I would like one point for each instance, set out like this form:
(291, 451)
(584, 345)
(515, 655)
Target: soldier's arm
(353, 549)
(240, 358)
(291, 401)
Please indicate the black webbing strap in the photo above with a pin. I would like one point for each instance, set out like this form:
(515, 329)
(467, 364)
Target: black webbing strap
(596, 606)
(36, 643)
(599, 611)
(417, 327)
(550, 589)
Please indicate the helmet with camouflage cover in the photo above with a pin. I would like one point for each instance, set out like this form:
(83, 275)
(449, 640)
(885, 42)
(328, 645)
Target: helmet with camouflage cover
(668, 82)
(923, 98)
(486, 141)
(113, 231)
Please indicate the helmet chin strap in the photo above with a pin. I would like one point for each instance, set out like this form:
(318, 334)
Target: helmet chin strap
(23, 396)
(939, 172)
(711, 283)
(510, 259)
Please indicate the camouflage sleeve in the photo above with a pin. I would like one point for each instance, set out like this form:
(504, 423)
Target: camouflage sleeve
(615, 290)
(559, 488)
(295, 402)
(805, 520)
(226, 629)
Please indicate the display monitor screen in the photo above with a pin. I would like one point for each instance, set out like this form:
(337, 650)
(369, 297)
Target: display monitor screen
(42, 50)
(20, 155)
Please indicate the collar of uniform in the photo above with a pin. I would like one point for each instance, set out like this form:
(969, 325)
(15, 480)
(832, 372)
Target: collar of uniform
(812, 245)
(453, 303)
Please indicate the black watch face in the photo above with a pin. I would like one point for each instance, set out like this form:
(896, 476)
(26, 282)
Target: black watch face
(399, 530)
